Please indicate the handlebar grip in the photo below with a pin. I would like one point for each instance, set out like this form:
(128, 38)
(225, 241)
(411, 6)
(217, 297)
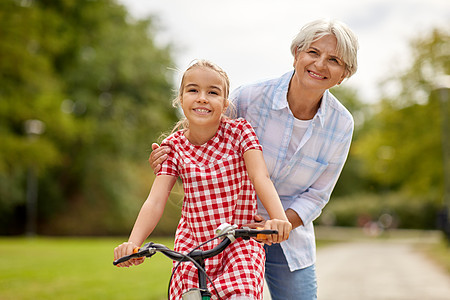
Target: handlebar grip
(262, 235)
(127, 257)
(121, 260)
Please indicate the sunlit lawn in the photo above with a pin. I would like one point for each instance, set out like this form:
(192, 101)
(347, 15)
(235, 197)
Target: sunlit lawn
(64, 268)
(77, 268)
(81, 268)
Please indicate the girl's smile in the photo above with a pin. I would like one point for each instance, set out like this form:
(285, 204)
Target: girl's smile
(202, 110)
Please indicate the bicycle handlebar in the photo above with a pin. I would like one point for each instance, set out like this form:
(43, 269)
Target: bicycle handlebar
(149, 249)
(247, 233)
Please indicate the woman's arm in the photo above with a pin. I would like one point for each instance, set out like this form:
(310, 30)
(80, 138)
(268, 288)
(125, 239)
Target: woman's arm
(294, 218)
(257, 171)
(148, 217)
(308, 205)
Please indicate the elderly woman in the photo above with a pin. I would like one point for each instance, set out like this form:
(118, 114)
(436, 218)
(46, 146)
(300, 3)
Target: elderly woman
(306, 134)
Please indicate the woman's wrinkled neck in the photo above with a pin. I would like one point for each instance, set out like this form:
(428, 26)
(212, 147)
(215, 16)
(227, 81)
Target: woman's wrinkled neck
(303, 103)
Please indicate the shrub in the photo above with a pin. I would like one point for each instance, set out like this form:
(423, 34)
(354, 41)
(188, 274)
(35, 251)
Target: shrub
(393, 210)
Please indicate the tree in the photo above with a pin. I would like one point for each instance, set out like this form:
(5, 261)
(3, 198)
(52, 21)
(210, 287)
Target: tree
(401, 145)
(101, 86)
(350, 179)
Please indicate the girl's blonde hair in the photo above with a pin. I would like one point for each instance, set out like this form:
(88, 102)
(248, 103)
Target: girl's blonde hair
(202, 63)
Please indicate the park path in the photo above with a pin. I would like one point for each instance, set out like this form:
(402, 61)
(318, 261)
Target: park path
(379, 269)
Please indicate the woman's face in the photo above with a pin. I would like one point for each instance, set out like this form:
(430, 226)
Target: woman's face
(319, 67)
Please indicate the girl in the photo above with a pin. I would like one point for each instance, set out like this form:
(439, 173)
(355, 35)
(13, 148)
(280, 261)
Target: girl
(218, 159)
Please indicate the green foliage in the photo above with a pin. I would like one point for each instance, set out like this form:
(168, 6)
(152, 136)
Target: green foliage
(430, 62)
(102, 88)
(350, 180)
(401, 146)
(100, 85)
(361, 209)
(397, 151)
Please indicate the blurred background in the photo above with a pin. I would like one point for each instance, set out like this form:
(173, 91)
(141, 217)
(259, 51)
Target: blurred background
(86, 87)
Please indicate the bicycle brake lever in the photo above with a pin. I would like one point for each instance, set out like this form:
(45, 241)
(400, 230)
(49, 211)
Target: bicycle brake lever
(147, 250)
(227, 230)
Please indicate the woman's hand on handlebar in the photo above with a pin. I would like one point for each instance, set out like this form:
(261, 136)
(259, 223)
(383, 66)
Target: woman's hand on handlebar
(127, 249)
(258, 223)
(158, 156)
(283, 227)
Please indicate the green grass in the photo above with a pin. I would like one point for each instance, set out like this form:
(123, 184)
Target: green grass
(439, 253)
(65, 268)
(78, 268)
(81, 268)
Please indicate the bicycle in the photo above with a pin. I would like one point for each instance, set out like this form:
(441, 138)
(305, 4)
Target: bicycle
(229, 233)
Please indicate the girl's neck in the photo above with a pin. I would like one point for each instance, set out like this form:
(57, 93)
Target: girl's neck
(199, 135)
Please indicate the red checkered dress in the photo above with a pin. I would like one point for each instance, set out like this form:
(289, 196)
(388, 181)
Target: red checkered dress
(217, 190)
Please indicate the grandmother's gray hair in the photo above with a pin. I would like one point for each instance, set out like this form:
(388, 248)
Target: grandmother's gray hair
(347, 42)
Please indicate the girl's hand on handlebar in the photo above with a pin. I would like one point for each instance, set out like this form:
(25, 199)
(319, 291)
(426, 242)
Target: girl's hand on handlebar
(158, 156)
(127, 249)
(283, 227)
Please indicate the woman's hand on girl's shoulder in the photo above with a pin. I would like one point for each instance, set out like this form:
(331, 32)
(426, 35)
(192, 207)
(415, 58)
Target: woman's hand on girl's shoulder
(158, 156)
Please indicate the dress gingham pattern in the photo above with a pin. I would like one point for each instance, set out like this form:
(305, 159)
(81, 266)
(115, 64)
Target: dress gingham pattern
(217, 190)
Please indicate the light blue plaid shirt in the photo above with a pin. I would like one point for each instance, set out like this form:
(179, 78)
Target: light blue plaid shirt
(305, 181)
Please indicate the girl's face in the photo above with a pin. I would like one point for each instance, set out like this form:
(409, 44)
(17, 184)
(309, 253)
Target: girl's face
(203, 97)
(319, 67)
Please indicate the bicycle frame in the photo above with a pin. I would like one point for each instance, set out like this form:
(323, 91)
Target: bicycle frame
(229, 234)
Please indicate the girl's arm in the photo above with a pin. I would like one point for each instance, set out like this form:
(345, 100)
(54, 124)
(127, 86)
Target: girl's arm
(148, 217)
(257, 171)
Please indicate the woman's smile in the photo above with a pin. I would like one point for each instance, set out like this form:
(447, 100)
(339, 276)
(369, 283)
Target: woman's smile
(315, 75)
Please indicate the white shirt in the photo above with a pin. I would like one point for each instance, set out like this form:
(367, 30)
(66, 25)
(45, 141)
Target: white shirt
(298, 131)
